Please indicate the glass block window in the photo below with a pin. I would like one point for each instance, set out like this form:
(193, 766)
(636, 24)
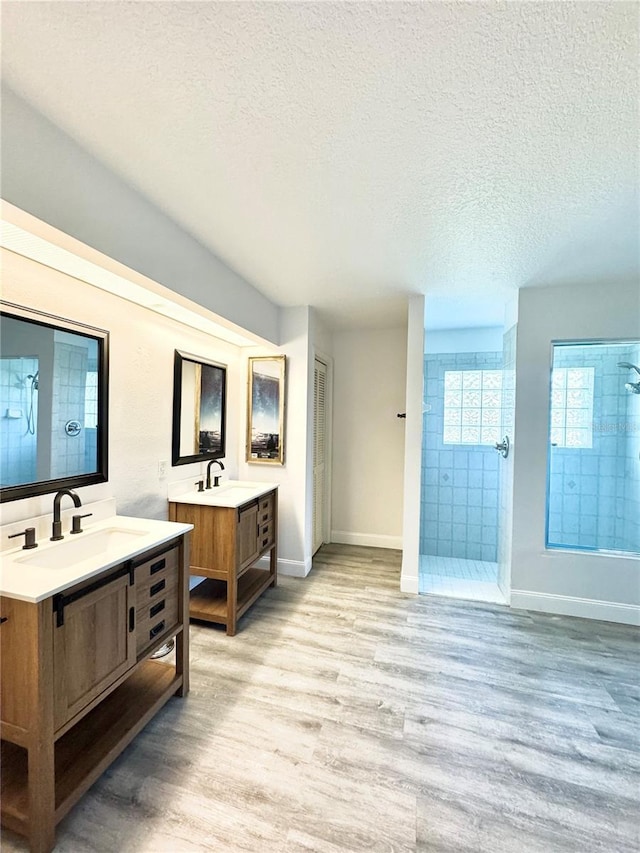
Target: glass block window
(572, 407)
(91, 401)
(472, 406)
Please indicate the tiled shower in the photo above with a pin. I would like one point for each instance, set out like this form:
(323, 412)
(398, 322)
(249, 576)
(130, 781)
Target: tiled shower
(462, 420)
(593, 495)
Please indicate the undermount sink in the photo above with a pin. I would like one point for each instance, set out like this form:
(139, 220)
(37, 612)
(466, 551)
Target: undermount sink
(233, 490)
(81, 547)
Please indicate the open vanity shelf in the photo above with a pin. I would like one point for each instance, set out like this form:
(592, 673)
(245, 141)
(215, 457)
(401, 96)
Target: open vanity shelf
(226, 544)
(84, 752)
(78, 681)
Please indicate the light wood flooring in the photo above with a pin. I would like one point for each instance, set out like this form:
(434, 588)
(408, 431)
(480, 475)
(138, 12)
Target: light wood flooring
(346, 716)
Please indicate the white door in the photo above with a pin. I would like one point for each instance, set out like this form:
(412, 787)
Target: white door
(319, 451)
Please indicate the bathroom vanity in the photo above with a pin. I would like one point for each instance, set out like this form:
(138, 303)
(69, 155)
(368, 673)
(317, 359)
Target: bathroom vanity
(80, 620)
(235, 525)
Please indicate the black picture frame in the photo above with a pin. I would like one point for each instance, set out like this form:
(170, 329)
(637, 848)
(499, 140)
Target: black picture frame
(44, 322)
(199, 409)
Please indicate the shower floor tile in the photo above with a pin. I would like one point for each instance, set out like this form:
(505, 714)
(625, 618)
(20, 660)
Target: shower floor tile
(476, 580)
(456, 567)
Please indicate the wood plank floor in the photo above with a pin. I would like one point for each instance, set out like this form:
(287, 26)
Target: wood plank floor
(346, 716)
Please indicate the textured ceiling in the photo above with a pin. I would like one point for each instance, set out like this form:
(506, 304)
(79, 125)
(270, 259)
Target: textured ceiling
(344, 155)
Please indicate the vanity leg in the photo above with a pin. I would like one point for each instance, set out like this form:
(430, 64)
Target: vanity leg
(41, 749)
(42, 822)
(273, 565)
(232, 603)
(182, 639)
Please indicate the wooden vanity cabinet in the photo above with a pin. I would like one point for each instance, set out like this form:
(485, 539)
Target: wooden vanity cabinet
(226, 543)
(78, 685)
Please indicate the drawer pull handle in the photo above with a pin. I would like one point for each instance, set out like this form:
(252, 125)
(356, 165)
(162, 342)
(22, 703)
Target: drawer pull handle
(157, 567)
(157, 587)
(157, 608)
(265, 516)
(156, 630)
(264, 541)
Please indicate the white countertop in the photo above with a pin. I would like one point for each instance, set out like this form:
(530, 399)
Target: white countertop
(232, 493)
(121, 537)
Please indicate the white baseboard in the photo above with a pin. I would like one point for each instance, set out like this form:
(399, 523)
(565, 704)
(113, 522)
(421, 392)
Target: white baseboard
(369, 540)
(566, 605)
(409, 584)
(290, 568)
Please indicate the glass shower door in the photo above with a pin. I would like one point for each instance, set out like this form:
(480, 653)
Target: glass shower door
(593, 483)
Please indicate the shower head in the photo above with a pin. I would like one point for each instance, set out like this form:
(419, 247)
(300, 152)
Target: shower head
(629, 366)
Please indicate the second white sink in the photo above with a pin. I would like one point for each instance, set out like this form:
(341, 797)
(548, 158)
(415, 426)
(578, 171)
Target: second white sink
(81, 547)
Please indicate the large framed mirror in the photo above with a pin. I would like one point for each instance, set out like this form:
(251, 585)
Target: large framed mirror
(53, 403)
(199, 409)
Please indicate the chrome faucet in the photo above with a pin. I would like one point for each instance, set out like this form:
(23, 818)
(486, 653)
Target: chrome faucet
(216, 479)
(56, 528)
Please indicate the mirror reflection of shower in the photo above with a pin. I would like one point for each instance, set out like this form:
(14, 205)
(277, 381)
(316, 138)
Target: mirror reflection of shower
(31, 421)
(632, 387)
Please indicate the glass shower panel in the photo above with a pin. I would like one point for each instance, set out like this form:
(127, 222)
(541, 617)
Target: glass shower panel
(593, 482)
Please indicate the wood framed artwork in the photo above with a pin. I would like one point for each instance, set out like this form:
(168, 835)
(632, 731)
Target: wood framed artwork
(265, 409)
(199, 409)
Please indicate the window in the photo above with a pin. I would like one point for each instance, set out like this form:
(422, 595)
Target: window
(572, 407)
(472, 406)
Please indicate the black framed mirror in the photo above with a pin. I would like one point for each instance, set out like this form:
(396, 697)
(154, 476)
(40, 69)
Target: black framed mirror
(199, 409)
(53, 403)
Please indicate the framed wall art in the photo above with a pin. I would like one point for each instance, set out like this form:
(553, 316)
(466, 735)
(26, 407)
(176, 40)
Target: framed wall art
(265, 414)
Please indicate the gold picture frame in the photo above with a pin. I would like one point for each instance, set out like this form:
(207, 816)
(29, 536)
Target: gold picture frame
(266, 409)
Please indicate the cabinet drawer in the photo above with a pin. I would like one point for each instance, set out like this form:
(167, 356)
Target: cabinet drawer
(155, 619)
(265, 535)
(150, 574)
(149, 596)
(265, 509)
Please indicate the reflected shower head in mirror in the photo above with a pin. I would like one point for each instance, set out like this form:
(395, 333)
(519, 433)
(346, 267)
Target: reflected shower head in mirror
(628, 365)
(632, 387)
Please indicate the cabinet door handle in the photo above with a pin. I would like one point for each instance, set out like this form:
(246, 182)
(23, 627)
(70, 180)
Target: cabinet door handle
(3, 619)
(156, 588)
(157, 608)
(157, 567)
(156, 629)
(132, 618)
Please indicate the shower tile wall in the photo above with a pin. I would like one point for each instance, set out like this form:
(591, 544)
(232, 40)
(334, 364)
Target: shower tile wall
(69, 383)
(459, 499)
(631, 503)
(17, 445)
(594, 493)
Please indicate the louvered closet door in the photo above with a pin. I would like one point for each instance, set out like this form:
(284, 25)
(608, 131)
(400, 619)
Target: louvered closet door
(319, 450)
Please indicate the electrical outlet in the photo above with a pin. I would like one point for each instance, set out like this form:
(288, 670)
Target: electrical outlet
(162, 469)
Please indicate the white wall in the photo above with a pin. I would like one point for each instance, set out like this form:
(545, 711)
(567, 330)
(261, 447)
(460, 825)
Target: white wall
(463, 340)
(368, 439)
(49, 175)
(142, 345)
(294, 546)
(413, 446)
(578, 583)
